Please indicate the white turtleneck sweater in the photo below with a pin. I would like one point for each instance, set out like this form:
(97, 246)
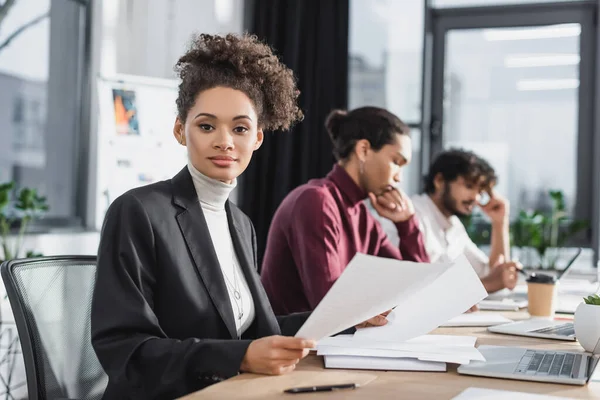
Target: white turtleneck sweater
(213, 194)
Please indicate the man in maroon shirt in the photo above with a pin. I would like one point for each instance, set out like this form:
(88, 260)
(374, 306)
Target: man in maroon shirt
(320, 226)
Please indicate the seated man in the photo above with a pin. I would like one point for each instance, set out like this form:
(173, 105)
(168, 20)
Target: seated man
(453, 187)
(321, 225)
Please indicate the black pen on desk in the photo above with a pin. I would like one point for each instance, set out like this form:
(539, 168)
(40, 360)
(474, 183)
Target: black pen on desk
(325, 388)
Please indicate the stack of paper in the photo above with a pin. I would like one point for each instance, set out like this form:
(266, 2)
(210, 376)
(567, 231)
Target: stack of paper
(424, 353)
(383, 363)
(423, 296)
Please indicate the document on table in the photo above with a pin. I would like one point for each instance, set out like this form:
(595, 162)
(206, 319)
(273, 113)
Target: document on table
(420, 343)
(507, 304)
(437, 348)
(382, 363)
(474, 393)
(368, 286)
(435, 302)
(477, 319)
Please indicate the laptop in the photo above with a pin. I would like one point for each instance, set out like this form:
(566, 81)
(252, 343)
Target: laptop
(553, 366)
(538, 328)
(541, 328)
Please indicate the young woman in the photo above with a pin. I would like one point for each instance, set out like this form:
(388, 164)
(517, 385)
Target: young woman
(178, 304)
(321, 225)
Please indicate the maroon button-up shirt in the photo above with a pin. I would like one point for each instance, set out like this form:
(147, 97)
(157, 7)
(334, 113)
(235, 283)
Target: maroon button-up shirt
(316, 231)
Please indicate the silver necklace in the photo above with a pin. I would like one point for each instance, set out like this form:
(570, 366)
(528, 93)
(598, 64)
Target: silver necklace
(237, 296)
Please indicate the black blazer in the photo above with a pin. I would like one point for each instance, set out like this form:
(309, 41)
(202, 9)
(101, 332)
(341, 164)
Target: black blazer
(162, 323)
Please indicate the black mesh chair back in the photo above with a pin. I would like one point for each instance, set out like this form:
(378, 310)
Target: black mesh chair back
(51, 300)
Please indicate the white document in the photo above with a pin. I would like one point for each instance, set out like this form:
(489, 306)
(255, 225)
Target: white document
(458, 356)
(440, 348)
(477, 319)
(434, 302)
(502, 305)
(425, 342)
(490, 394)
(369, 286)
(380, 363)
(580, 286)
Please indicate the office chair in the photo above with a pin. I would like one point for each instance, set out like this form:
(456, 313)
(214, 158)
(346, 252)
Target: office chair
(51, 300)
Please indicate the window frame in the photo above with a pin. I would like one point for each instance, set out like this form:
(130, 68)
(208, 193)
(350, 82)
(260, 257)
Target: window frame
(75, 22)
(438, 21)
(72, 20)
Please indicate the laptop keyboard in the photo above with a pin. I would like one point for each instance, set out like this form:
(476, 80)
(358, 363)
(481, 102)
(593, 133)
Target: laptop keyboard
(564, 365)
(567, 329)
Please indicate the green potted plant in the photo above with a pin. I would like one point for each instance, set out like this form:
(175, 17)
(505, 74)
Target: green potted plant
(17, 209)
(587, 322)
(542, 231)
(537, 231)
(478, 229)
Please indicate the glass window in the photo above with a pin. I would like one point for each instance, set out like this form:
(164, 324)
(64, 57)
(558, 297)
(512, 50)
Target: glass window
(471, 3)
(386, 46)
(511, 95)
(24, 68)
(147, 41)
(41, 72)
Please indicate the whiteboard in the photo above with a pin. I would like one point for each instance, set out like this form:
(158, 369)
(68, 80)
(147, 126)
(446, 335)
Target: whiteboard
(136, 146)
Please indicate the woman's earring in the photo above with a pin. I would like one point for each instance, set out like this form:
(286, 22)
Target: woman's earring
(361, 168)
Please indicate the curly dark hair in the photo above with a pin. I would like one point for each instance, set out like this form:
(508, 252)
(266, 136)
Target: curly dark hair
(375, 124)
(458, 162)
(242, 63)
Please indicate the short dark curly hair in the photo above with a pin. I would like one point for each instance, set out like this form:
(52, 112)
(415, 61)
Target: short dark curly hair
(242, 63)
(454, 163)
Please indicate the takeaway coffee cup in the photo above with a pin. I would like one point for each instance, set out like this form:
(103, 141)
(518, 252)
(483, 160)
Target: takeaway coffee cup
(542, 295)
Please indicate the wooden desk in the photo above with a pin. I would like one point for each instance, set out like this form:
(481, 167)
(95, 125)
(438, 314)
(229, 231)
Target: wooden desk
(418, 385)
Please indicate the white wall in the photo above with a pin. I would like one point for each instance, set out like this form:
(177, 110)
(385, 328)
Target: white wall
(143, 39)
(62, 243)
(150, 35)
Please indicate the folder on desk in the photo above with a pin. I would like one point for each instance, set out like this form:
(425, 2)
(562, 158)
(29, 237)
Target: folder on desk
(424, 353)
(382, 363)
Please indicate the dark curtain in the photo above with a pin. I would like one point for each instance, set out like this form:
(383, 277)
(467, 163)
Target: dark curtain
(311, 38)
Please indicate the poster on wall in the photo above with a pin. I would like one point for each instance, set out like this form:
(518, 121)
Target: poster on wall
(136, 146)
(126, 115)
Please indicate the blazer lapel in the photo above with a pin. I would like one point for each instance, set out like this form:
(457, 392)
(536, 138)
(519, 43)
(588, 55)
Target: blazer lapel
(197, 237)
(266, 323)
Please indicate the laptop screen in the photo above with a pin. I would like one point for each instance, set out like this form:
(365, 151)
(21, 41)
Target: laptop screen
(593, 372)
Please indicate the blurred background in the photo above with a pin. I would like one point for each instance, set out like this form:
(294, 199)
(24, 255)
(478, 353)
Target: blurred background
(87, 94)
(87, 105)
